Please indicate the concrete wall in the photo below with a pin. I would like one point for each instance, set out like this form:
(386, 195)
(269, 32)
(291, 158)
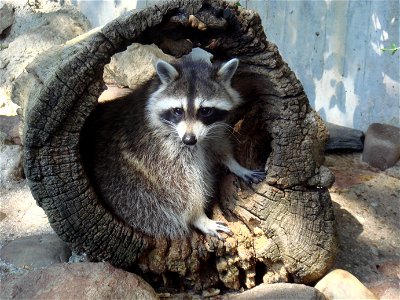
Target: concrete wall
(332, 46)
(334, 49)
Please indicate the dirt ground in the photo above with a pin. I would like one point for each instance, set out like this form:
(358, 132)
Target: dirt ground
(366, 203)
(367, 207)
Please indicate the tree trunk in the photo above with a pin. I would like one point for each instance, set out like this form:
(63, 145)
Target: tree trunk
(283, 228)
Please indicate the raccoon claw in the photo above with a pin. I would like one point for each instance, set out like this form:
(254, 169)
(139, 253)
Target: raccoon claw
(211, 227)
(254, 177)
(223, 227)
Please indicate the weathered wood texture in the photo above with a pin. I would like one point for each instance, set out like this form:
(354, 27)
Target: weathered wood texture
(283, 228)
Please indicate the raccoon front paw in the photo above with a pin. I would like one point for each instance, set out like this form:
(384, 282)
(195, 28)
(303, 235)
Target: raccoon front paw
(250, 176)
(211, 227)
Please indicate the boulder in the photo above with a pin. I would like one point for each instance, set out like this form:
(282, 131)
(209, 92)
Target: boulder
(6, 16)
(344, 138)
(277, 291)
(33, 32)
(36, 251)
(77, 281)
(382, 146)
(340, 284)
(9, 125)
(10, 162)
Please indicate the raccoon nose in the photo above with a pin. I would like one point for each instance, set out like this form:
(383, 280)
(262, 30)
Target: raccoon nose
(189, 139)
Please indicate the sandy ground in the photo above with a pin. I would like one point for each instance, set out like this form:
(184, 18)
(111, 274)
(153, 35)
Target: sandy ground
(366, 204)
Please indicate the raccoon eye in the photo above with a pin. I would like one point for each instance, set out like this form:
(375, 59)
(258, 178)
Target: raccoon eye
(177, 111)
(206, 111)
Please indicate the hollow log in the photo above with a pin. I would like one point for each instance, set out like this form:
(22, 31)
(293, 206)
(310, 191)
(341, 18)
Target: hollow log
(283, 228)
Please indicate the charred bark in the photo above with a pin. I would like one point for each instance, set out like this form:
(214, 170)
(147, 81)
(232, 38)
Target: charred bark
(283, 228)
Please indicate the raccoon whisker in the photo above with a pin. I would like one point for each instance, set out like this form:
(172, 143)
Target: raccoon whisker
(217, 128)
(231, 131)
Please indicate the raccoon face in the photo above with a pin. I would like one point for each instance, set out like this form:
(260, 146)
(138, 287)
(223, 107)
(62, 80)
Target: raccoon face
(193, 100)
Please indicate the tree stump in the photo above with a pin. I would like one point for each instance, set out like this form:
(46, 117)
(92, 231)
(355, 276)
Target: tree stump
(283, 227)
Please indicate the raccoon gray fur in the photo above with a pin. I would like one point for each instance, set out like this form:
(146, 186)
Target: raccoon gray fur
(151, 155)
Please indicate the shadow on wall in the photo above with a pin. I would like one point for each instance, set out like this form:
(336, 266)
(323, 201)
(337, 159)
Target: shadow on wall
(334, 47)
(100, 12)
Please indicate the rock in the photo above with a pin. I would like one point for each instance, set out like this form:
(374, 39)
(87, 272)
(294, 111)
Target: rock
(36, 251)
(134, 66)
(344, 138)
(284, 291)
(324, 178)
(340, 284)
(10, 164)
(6, 16)
(113, 92)
(33, 32)
(10, 126)
(77, 281)
(382, 146)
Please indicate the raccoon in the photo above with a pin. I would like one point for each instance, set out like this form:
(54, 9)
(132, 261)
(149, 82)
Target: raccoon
(151, 155)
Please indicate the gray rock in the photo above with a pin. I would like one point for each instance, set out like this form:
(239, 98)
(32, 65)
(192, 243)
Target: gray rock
(10, 163)
(34, 31)
(344, 138)
(9, 125)
(36, 251)
(324, 178)
(6, 16)
(382, 146)
(77, 281)
(277, 291)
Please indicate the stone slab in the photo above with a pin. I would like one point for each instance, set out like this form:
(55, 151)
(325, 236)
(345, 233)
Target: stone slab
(344, 138)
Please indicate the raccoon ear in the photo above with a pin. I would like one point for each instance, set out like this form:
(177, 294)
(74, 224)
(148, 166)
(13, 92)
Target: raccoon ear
(166, 72)
(228, 69)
